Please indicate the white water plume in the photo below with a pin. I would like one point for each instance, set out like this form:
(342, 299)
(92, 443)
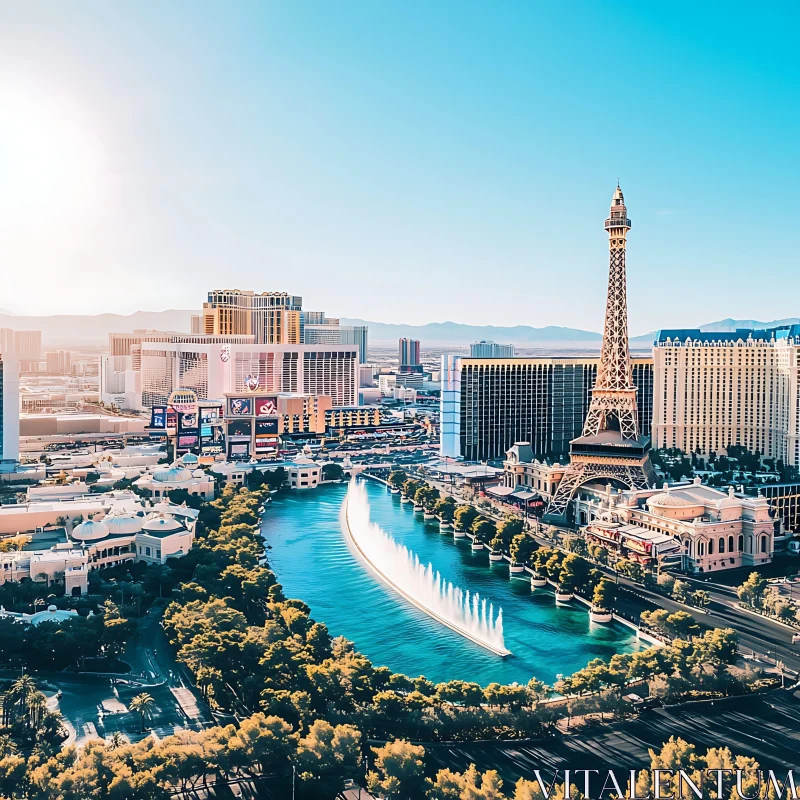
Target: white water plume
(464, 612)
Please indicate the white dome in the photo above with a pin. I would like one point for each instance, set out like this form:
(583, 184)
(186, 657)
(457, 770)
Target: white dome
(162, 525)
(173, 475)
(123, 524)
(90, 531)
(198, 473)
(667, 500)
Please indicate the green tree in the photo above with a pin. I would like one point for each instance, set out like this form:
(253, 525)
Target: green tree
(510, 527)
(752, 591)
(483, 530)
(399, 770)
(574, 573)
(630, 569)
(603, 597)
(577, 544)
(327, 755)
(464, 517)
(410, 487)
(397, 478)
(143, 704)
(266, 743)
(598, 552)
(523, 546)
(682, 591)
(445, 509)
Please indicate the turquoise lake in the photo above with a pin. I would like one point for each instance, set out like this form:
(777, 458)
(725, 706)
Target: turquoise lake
(314, 561)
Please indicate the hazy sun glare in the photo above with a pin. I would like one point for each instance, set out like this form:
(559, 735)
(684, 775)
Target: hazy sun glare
(50, 159)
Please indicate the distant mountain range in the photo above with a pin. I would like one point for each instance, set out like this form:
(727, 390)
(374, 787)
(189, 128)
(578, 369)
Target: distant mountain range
(456, 333)
(729, 325)
(92, 330)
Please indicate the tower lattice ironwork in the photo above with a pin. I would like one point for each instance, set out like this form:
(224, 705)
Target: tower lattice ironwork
(610, 447)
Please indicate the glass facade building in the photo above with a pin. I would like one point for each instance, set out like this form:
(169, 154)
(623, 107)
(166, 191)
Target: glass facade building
(489, 404)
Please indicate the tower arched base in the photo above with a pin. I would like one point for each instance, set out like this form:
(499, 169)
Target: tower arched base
(634, 476)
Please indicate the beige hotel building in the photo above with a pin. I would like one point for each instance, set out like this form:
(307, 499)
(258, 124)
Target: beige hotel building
(712, 390)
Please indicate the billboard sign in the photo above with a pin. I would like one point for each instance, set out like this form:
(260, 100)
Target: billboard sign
(158, 417)
(187, 422)
(172, 421)
(238, 451)
(266, 406)
(187, 441)
(212, 439)
(239, 428)
(211, 415)
(266, 437)
(240, 406)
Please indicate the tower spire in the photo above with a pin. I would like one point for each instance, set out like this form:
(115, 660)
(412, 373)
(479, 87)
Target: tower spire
(614, 396)
(610, 448)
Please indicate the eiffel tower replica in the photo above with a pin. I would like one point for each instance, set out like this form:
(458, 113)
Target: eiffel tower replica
(610, 449)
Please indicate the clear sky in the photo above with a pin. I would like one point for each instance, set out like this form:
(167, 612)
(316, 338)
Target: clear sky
(401, 161)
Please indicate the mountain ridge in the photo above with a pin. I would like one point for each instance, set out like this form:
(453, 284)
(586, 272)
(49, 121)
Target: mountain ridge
(93, 329)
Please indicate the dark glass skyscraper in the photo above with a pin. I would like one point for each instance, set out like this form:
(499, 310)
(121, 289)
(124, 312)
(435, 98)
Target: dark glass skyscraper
(490, 403)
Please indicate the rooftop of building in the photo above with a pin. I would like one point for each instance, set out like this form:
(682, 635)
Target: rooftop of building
(50, 614)
(727, 337)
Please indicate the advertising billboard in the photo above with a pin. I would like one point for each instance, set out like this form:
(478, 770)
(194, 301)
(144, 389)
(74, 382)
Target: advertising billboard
(187, 422)
(158, 417)
(239, 428)
(240, 406)
(266, 437)
(187, 441)
(172, 420)
(212, 439)
(211, 415)
(266, 406)
(212, 435)
(238, 451)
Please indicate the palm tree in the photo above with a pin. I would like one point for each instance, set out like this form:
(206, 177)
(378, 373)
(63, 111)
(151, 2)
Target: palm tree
(23, 698)
(115, 741)
(144, 704)
(8, 746)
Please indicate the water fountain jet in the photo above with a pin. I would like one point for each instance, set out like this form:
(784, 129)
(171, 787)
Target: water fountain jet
(466, 613)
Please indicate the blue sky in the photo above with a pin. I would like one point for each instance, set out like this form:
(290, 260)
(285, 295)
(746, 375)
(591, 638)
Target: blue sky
(401, 161)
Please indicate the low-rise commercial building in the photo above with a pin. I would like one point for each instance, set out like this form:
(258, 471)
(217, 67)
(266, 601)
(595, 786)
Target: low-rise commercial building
(160, 481)
(255, 423)
(355, 417)
(142, 534)
(713, 530)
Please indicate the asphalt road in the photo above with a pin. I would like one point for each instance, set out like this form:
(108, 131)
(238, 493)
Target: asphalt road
(766, 727)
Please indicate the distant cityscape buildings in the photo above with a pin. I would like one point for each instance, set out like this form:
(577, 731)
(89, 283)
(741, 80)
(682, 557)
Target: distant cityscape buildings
(319, 329)
(485, 349)
(59, 362)
(270, 317)
(25, 345)
(409, 355)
